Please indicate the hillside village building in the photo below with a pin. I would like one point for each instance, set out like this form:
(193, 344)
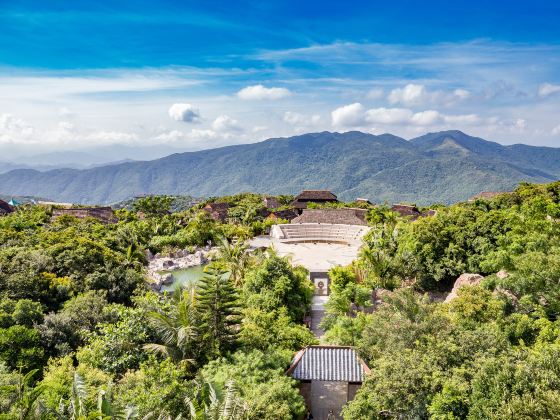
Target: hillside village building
(411, 212)
(103, 214)
(313, 196)
(217, 211)
(271, 203)
(329, 377)
(342, 216)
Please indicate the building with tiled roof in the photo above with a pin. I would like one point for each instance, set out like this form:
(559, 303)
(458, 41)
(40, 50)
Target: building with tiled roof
(217, 211)
(313, 196)
(329, 377)
(341, 216)
(271, 203)
(103, 214)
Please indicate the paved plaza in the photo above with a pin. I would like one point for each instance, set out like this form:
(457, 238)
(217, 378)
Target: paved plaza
(313, 256)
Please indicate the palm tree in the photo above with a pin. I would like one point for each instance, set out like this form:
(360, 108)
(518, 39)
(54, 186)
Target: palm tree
(177, 330)
(77, 408)
(207, 405)
(26, 403)
(235, 257)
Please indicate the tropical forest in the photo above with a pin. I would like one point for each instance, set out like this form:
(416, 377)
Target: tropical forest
(85, 333)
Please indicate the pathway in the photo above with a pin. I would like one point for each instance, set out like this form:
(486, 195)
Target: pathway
(317, 314)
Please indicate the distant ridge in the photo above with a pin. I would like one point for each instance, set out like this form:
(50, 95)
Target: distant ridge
(438, 167)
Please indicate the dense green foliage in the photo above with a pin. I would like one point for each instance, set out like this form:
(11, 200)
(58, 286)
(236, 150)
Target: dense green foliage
(81, 336)
(438, 167)
(492, 352)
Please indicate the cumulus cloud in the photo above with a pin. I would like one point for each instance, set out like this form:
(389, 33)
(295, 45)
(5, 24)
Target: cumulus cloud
(461, 93)
(185, 113)
(547, 89)
(226, 124)
(355, 115)
(411, 94)
(259, 92)
(388, 115)
(556, 130)
(297, 119)
(15, 130)
(415, 94)
(352, 115)
(177, 136)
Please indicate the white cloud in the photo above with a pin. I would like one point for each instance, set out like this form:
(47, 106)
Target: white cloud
(388, 115)
(176, 136)
(355, 115)
(184, 112)
(226, 124)
(110, 137)
(520, 124)
(427, 118)
(411, 94)
(547, 89)
(375, 93)
(170, 136)
(556, 130)
(462, 93)
(65, 112)
(203, 134)
(468, 119)
(349, 115)
(15, 130)
(297, 119)
(259, 92)
(259, 128)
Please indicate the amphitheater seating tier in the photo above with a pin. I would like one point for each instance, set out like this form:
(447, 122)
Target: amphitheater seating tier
(345, 233)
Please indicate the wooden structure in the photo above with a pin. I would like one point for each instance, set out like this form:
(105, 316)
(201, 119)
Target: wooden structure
(217, 211)
(313, 196)
(329, 377)
(103, 214)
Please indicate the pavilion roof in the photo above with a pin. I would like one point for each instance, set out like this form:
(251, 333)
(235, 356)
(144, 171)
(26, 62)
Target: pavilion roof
(328, 363)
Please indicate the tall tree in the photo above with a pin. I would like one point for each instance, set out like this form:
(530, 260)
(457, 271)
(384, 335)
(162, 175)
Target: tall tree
(218, 309)
(177, 331)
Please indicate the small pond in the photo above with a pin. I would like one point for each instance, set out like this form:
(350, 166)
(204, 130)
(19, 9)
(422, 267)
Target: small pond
(184, 277)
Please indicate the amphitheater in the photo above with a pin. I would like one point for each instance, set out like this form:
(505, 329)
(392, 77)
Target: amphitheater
(319, 239)
(318, 233)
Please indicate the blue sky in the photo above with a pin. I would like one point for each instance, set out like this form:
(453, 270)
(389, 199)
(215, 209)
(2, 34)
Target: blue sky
(199, 74)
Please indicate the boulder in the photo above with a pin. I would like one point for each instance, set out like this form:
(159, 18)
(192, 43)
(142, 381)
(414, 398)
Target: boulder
(502, 274)
(466, 279)
(148, 254)
(167, 279)
(167, 263)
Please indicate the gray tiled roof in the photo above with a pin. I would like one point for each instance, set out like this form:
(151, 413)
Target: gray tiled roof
(342, 216)
(326, 363)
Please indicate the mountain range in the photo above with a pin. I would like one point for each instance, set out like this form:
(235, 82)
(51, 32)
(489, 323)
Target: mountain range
(444, 167)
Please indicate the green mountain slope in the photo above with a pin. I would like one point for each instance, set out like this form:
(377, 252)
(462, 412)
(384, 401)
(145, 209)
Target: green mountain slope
(438, 167)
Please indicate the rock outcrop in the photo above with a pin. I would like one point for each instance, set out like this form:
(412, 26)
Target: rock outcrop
(466, 279)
